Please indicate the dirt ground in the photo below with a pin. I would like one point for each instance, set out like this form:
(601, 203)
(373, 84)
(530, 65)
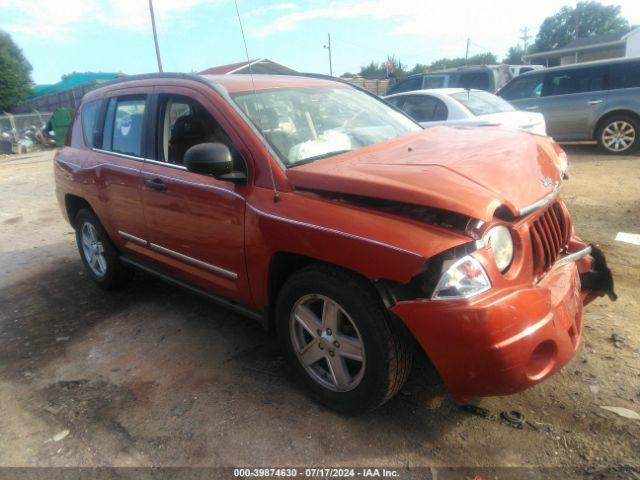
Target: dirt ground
(154, 376)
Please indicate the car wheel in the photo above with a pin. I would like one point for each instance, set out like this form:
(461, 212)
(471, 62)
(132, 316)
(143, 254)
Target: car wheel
(98, 254)
(342, 343)
(619, 135)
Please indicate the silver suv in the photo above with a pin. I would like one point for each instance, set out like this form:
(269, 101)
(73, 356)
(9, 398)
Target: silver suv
(586, 101)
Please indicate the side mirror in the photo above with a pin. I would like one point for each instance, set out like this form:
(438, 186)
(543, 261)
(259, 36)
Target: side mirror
(209, 158)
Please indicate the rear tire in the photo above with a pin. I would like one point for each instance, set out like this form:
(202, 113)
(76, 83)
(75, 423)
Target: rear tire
(619, 135)
(327, 319)
(98, 254)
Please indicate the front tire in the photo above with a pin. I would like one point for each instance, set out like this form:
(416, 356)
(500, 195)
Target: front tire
(99, 255)
(619, 135)
(340, 340)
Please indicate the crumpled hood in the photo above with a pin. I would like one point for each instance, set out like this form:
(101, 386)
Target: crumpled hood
(469, 171)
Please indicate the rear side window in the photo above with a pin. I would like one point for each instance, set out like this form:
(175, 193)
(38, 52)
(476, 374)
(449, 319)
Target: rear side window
(624, 75)
(89, 115)
(529, 86)
(476, 80)
(411, 83)
(123, 125)
(434, 81)
(425, 108)
(574, 81)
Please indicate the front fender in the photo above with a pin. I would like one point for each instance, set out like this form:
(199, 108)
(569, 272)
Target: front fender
(373, 243)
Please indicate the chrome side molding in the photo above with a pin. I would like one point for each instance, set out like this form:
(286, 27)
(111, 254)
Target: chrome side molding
(194, 261)
(180, 256)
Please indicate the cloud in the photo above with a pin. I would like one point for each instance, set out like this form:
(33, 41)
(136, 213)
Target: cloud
(56, 21)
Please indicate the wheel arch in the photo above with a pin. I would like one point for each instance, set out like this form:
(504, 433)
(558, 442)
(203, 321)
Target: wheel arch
(618, 111)
(73, 204)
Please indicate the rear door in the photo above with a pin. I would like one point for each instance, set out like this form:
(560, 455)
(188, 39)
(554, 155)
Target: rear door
(117, 156)
(425, 109)
(195, 221)
(571, 99)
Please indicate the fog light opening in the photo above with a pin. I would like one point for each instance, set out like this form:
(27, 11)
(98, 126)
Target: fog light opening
(542, 360)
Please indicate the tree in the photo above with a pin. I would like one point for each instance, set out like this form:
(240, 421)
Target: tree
(514, 55)
(591, 17)
(379, 70)
(15, 72)
(480, 59)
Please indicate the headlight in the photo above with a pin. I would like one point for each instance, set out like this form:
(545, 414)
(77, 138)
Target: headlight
(501, 243)
(463, 279)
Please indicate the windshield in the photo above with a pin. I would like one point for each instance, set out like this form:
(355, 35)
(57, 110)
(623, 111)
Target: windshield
(309, 123)
(482, 103)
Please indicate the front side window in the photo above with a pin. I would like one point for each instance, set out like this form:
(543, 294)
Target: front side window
(304, 124)
(89, 114)
(573, 81)
(123, 125)
(482, 103)
(521, 88)
(184, 123)
(425, 108)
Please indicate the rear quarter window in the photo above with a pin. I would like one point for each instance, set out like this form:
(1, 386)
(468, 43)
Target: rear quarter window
(89, 114)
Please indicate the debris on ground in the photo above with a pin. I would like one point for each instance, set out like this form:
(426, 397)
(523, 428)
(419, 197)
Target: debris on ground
(623, 412)
(181, 408)
(618, 340)
(594, 389)
(513, 418)
(60, 436)
(475, 410)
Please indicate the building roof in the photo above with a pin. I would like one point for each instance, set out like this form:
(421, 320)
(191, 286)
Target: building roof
(587, 43)
(260, 65)
(73, 80)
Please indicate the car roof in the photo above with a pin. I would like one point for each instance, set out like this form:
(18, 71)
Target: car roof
(235, 83)
(436, 91)
(573, 66)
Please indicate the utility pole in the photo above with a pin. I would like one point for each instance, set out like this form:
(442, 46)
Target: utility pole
(466, 55)
(525, 41)
(328, 47)
(155, 35)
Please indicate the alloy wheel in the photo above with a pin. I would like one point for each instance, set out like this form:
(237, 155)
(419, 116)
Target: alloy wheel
(327, 343)
(93, 250)
(618, 136)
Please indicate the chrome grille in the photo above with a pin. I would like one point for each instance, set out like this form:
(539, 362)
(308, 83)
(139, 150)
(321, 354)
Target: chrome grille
(549, 237)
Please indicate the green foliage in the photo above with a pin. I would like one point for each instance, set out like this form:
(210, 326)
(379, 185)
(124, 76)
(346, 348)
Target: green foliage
(514, 55)
(480, 59)
(400, 70)
(15, 72)
(592, 18)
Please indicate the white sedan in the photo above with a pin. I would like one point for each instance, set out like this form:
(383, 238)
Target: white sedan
(458, 106)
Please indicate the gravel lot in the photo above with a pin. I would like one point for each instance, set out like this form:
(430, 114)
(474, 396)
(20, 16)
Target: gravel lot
(154, 376)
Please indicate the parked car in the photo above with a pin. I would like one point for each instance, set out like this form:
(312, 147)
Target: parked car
(520, 69)
(586, 101)
(487, 77)
(327, 215)
(460, 107)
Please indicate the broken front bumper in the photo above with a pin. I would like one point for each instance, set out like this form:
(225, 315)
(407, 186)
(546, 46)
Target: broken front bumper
(505, 343)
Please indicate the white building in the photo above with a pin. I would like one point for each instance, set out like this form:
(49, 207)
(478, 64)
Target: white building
(591, 48)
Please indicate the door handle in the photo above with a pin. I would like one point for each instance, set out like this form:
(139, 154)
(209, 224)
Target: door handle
(156, 184)
(534, 107)
(595, 102)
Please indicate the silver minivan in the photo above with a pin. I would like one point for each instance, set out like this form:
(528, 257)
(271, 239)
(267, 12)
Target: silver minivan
(585, 101)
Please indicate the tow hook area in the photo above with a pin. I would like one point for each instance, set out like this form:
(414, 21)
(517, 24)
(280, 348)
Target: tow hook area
(599, 279)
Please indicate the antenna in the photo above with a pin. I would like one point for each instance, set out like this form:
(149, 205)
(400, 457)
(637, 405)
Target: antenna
(276, 195)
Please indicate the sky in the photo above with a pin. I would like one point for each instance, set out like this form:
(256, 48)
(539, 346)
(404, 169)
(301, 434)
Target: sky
(59, 37)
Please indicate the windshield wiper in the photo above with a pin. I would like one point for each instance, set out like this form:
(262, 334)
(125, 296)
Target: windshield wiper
(319, 157)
